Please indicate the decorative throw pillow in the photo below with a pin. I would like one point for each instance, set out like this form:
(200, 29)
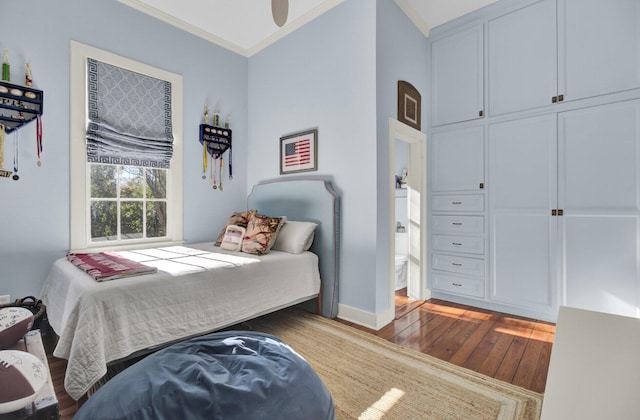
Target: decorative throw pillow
(238, 219)
(233, 237)
(261, 234)
(295, 237)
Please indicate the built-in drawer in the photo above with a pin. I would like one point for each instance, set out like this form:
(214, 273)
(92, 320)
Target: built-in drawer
(458, 224)
(445, 202)
(453, 243)
(458, 264)
(458, 285)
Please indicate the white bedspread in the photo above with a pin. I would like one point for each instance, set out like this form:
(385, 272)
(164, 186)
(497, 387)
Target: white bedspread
(196, 290)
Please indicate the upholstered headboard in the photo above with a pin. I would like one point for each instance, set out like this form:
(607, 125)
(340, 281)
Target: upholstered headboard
(312, 200)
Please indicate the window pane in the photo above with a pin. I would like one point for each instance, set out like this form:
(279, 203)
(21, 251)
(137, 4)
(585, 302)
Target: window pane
(104, 224)
(131, 181)
(103, 181)
(156, 183)
(131, 221)
(156, 219)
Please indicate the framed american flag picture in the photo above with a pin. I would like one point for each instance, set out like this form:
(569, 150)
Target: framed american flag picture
(299, 152)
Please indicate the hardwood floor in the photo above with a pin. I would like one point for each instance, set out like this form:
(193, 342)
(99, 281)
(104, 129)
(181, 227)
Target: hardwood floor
(506, 347)
(509, 348)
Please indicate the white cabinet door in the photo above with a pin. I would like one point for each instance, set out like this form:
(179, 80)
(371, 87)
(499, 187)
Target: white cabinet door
(457, 160)
(522, 58)
(599, 47)
(457, 71)
(599, 183)
(523, 191)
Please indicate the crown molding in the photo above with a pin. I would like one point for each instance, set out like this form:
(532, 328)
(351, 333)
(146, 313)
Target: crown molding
(279, 34)
(294, 25)
(178, 23)
(411, 13)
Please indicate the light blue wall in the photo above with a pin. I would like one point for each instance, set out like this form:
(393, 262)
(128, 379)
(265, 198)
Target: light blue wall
(339, 73)
(34, 212)
(401, 55)
(323, 75)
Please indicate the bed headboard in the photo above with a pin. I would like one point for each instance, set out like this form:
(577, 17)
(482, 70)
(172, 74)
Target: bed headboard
(312, 200)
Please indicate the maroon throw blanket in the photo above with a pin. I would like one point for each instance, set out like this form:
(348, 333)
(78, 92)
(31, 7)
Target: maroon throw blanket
(103, 266)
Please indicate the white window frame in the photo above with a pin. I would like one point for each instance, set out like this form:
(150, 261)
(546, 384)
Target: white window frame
(80, 203)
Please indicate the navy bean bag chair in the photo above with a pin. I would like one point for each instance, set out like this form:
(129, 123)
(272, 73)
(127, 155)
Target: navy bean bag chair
(224, 375)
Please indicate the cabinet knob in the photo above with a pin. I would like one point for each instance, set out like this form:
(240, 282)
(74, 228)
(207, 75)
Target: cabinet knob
(456, 223)
(455, 264)
(480, 113)
(482, 185)
(456, 203)
(456, 243)
(554, 99)
(456, 284)
(560, 98)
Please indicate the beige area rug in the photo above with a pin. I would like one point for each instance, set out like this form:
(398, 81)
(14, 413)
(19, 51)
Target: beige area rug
(371, 378)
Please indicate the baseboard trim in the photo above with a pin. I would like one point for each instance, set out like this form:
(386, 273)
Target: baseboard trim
(364, 318)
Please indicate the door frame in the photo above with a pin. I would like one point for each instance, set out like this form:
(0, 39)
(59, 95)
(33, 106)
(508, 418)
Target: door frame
(417, 226)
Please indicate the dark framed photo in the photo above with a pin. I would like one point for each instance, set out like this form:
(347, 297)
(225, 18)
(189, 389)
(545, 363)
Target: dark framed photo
(409, 104)
(299, 152)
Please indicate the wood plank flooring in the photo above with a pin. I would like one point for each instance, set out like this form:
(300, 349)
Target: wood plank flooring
(506, 347)
(510, 348)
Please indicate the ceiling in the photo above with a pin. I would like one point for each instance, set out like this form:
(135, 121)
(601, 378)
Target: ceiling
(246, 26)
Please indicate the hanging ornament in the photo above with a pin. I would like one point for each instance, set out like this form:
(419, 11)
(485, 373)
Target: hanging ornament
(28, 76)
(39, 138)
(6, 67)
(3, 173)
(15, 176)
(204, 159)
(221, 172)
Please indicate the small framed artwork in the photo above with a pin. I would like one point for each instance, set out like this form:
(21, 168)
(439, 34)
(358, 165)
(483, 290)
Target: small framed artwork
(299, 152)
(409, 104)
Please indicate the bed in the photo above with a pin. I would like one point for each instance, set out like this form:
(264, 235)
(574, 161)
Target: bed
(198, 288)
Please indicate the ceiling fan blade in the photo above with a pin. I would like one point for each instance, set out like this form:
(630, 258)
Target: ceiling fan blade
(280, 11)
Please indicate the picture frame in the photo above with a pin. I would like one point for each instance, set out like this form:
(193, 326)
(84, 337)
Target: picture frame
(409, 104)
(299, 152)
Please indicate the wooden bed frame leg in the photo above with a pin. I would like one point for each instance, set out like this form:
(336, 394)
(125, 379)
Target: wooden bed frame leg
(319, 309)
(81, 401)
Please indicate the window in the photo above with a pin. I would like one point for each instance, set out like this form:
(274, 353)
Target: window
(116, 201)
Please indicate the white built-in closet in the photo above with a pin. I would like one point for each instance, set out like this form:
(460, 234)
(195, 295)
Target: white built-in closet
(535, 157)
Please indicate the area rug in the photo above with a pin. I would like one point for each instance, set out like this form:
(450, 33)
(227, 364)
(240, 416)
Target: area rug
(371, 378)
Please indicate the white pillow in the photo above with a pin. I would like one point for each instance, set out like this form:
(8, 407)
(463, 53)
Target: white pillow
(232, 239)
(295, 237)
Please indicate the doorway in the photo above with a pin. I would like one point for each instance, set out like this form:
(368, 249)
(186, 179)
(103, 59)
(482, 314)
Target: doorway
(412, 143)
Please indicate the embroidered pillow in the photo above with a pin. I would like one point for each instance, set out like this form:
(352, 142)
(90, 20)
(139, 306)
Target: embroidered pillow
(261, 234)
(233, 237)
(238, 219)
(295, 237)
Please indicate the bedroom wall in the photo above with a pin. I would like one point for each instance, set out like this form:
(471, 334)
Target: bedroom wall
(34, 216)
(401, 55)
(323, 75)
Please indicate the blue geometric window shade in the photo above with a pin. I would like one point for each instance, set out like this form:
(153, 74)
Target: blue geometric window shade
(129, 117)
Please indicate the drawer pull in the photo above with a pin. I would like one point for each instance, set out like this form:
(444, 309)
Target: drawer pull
(455, 264)
(456, 284)
(456, 203)
(456, 243)
(456, 223)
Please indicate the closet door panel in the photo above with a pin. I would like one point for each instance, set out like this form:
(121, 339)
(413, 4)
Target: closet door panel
(457, 68)
(599, 155)
(522, 58)
(458, 159)
(522, 267)
(599, 47)
(522, 191)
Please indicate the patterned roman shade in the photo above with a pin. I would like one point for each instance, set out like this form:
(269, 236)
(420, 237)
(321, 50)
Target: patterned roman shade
(129, 117)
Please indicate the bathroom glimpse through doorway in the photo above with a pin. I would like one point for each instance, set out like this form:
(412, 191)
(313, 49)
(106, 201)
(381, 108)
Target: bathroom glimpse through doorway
(407, 237)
